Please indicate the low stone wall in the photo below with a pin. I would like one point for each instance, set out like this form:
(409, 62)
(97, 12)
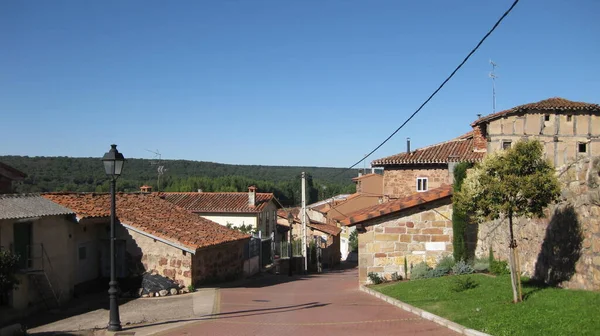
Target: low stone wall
(564, 247)
(219, 263)
(416, 234)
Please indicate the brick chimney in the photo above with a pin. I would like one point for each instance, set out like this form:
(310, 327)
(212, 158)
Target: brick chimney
(252, 196)
(146, 189)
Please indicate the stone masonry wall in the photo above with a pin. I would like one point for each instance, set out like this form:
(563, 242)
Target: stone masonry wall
(399, 183)
(219, 263)
(417, 235)
(564, 247)
(148, 255)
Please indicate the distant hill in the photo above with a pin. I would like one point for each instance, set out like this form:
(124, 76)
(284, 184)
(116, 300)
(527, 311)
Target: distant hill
(46, 174)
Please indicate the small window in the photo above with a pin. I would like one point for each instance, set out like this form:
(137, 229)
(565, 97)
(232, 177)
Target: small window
(582, 147)
(546, 117)
(82, 253)
(569, 118)
(506, 144)
(421, 183)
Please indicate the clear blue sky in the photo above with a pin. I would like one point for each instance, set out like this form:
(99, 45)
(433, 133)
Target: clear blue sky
(276, 82)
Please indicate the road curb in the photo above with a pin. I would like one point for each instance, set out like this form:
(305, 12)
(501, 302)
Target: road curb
(424, 314)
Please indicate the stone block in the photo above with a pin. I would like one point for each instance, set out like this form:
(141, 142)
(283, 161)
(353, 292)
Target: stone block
(162, 261)
(379, 229)
(375, 269)
(405, 238)
(440, 238)
(386, 237)
(428, 216)
(434, 231)
(380, 255)
(410, 224)
(439, 224)
(401, 247)
(187, 274)
(413, 231)
(416, 247)
(421, 238)
(395, 230)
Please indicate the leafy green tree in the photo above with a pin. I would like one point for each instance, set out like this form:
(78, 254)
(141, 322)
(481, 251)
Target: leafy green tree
(507, 184)
(353, 241)
(9, 264)
(459, 218)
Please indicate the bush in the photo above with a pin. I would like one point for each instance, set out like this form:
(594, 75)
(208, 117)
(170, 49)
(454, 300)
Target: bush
(405, 268)
(353, 241)
(419, 271)
(444, 266)
(462, 284)
(499, 267)
(375, 278)
(481, 265)
(191, 288)
(9, 264)
(436, 273)
(462, 267)
(396, 276)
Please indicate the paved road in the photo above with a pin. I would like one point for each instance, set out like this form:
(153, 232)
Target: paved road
(326, 304)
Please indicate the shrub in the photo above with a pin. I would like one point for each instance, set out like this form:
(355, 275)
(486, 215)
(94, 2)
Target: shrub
(191, 288)
(9, 264)
(499, 267)
(481, 265)
(353, 241)
(419, 271)
(405, 268)
(462, 284)
(445, 265)
(375, 278)
(396, 276)
(462, 267)
(436, 273)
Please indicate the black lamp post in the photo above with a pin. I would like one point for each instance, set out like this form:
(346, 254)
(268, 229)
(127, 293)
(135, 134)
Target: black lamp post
(290, 219)
(113, 165)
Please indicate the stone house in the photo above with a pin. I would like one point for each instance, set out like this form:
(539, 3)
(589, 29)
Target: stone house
(153, 235)
(8, 175)
(428, 167)
(416, 227)
(567, 129)
(40, 233)
(254, 209)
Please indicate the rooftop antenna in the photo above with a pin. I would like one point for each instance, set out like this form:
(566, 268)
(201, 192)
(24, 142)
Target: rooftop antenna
(157, 161)
(493, 77)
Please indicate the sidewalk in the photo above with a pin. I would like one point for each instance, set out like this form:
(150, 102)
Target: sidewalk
(144, 316)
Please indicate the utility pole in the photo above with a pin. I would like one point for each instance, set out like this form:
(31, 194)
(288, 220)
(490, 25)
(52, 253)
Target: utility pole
(493, 77)
(303, 218)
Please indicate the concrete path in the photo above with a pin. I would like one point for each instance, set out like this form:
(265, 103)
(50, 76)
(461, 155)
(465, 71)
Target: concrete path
(140, 315)
(326, 304)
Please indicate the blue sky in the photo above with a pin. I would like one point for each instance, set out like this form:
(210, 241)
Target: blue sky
(316, 83)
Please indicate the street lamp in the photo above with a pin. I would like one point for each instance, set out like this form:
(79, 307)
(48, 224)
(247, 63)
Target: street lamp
(290, 219)
(113, 165)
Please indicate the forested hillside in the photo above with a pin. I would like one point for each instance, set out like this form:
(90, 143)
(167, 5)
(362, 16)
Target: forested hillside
(87, 174)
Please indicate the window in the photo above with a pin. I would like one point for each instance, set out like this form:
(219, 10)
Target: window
(546, 117)
(569, 118)
(506, 144)
(421, 183)
(582, 147)
(82, 253)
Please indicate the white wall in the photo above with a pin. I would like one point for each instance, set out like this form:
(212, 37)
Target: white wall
(235, 219)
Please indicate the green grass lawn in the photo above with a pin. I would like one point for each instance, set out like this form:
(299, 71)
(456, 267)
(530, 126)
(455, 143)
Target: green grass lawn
(489, 308)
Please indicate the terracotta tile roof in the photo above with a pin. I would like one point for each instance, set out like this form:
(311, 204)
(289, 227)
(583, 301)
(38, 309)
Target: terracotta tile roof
(365, 176)
(320, 226)
(11, 173)
(555, 103)
(20, 206)
(458, 149)
(150, 214)
(387, 208)
(219, 202)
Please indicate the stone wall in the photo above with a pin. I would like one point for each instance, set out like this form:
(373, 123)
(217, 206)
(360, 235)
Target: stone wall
(145, 254)
(402, 182)
(564, 247)
(415, 234)
(219, 263)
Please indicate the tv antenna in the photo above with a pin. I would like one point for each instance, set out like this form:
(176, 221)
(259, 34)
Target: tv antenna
(157, 161)
(493, 77)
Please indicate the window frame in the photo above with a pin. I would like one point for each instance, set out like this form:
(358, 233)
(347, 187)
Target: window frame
(504, 142)
(424, 187)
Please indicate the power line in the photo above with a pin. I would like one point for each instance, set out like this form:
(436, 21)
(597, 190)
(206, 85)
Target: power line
(437, 90)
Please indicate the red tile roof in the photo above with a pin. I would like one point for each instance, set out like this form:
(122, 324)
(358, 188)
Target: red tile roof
(365, 176)
(458, 149)
(219, 202)
(555, 103)
(11, 173)
(387, 208)
(150, 214)
(320, 226)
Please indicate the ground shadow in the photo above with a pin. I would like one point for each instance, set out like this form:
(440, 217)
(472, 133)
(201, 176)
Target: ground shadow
(561, 248)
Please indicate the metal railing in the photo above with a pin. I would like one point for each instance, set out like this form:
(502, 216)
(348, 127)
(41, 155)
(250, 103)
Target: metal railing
(284, 249)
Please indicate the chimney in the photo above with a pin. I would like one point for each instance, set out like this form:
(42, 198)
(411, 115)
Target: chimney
(251, 196)
(146, 189)
(478, 115)
(407, 145)
(199, 190)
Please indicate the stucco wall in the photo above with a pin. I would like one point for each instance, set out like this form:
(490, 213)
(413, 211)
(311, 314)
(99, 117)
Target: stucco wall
(218, 263)
(564, 247)
(372, 184)
(559, 135)
(402, 182)
(417, 235)
(146, 254)
(236, 220)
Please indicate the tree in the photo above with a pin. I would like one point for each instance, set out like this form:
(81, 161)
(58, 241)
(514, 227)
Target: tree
(459, 218)
(353, 241)
(517, 182)
(9, 264)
